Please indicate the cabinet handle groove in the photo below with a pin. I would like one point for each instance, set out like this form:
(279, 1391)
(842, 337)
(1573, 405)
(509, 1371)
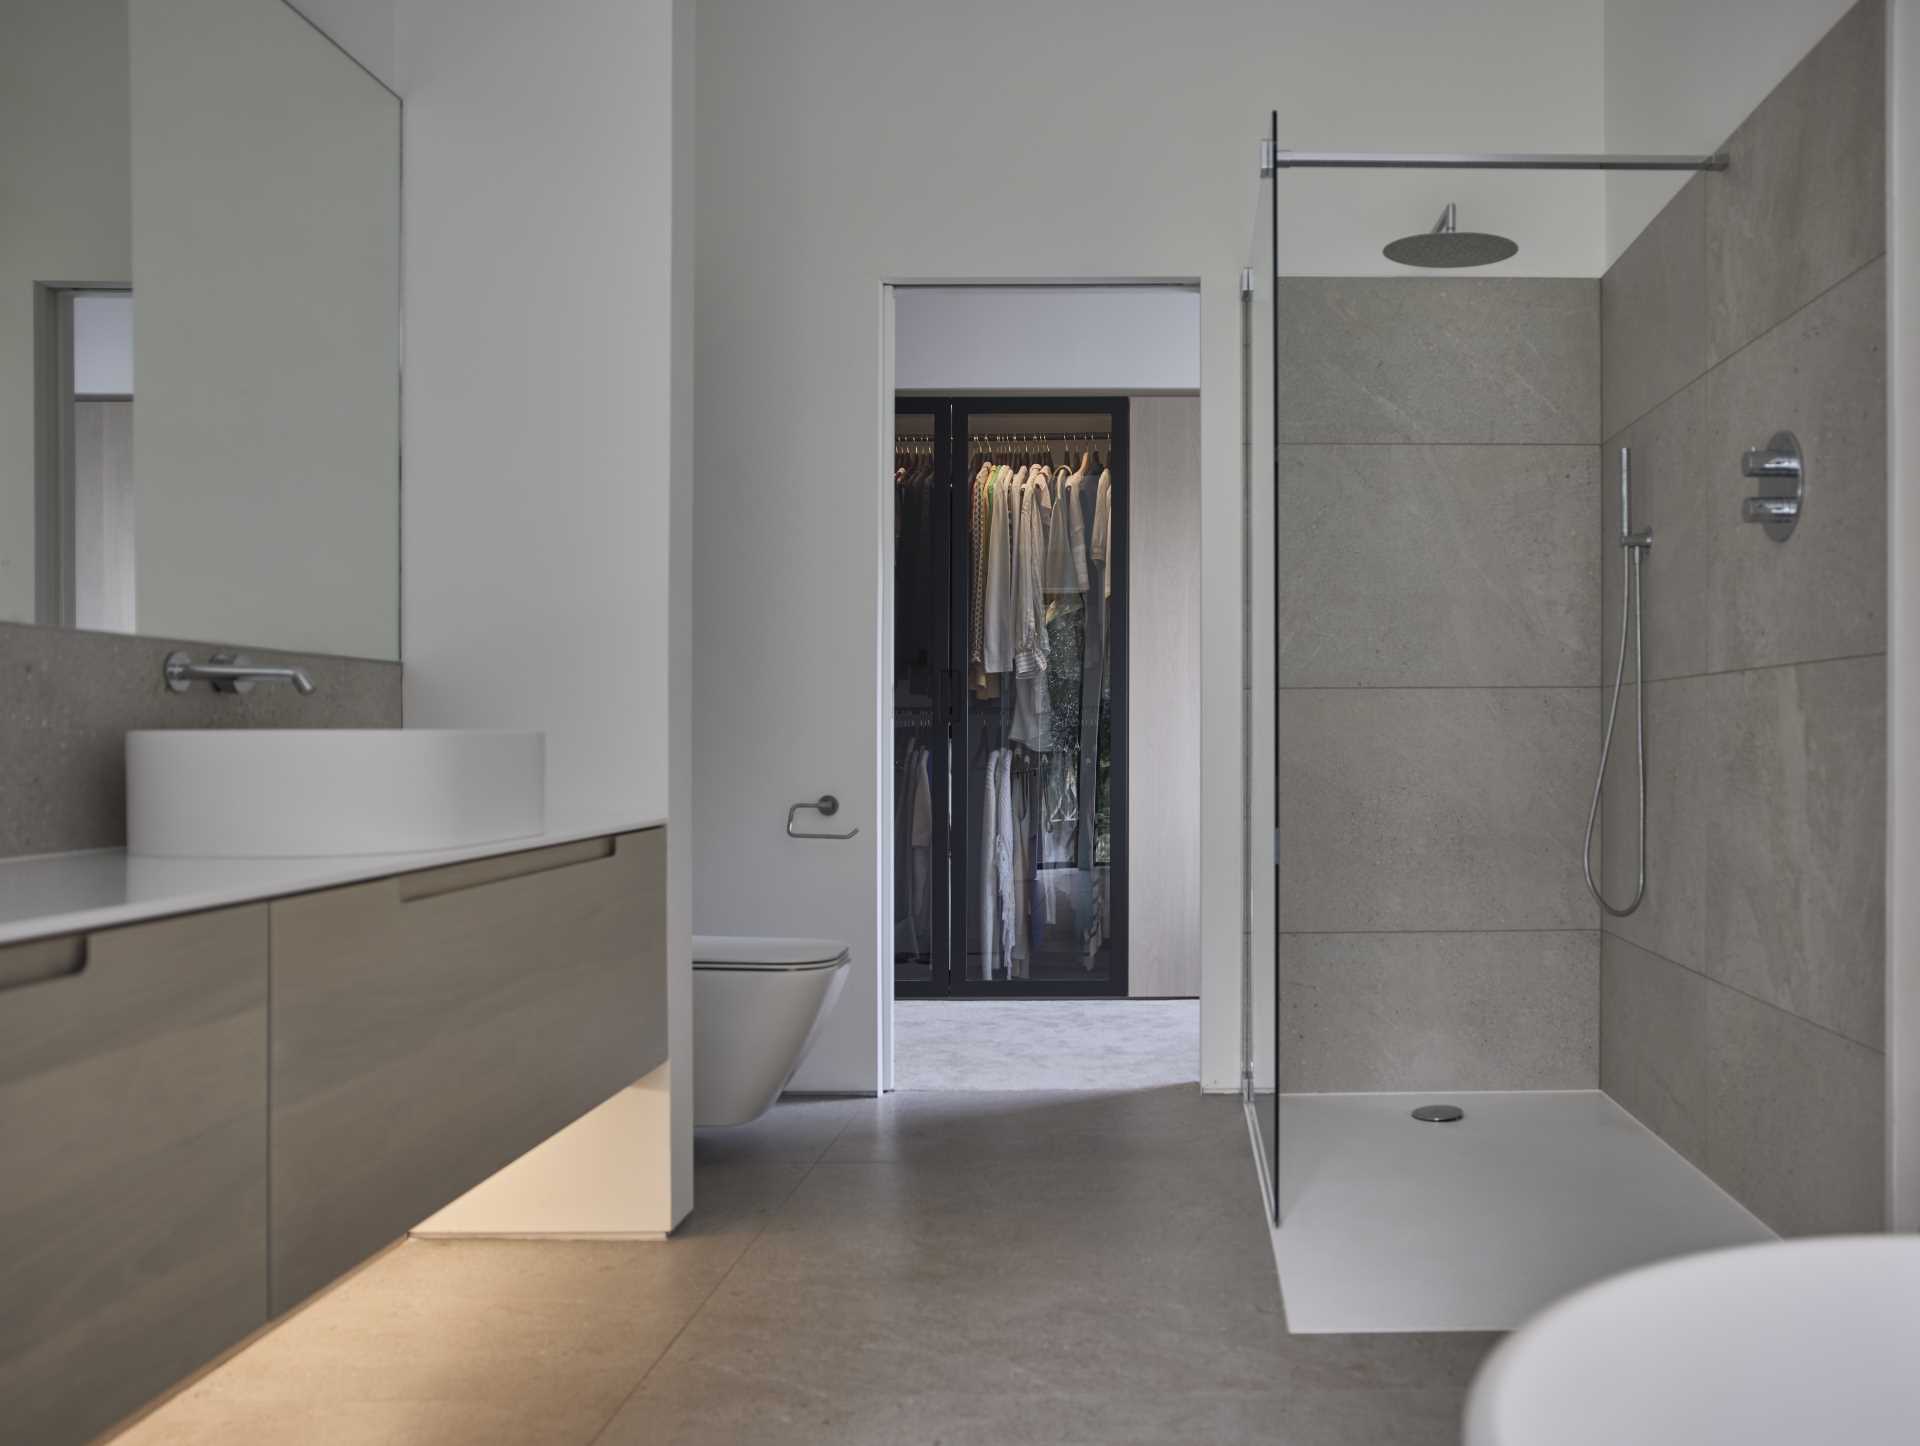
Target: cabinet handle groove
(433, 883)
(41, 961)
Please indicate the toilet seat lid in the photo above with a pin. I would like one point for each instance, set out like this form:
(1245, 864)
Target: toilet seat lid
(735, 951)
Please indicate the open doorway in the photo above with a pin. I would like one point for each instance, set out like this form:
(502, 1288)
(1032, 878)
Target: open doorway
(1044, 888)
(84, 514)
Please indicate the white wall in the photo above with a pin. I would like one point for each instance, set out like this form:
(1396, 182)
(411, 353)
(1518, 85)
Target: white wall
(546, 366)
(1681, 74)
(1903, 614)
(266, 272)
(63, 217)
(368, 30)
(846, 143)
(1046, 339)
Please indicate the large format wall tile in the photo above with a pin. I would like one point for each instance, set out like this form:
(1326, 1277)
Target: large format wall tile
(1786, 1116)
(1407, 565)
(1668, 467)
(1399, 360)
(1672, 918)
(1653, 311)
(1796, 840)
(1656, 1054)
(1798, 1126)
(1434, 809)
(1438, 1011)
(69, 698)
(1822, 593)
(1803, 201)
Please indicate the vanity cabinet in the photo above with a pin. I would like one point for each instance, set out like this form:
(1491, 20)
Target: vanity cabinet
(133, 1164)
(429, 1028)
(206, 1118)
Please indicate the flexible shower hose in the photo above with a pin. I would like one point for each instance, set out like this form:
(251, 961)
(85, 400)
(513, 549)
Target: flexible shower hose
(1629, 607)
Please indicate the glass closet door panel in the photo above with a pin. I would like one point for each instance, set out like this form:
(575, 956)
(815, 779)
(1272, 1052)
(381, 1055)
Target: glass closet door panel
(919, 725)
(1036, 766)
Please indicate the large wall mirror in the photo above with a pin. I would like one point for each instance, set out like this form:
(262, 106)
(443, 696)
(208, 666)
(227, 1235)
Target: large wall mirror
(199, 327)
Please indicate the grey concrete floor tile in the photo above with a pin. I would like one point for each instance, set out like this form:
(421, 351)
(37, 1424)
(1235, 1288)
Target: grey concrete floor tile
(491, 1337)
(1014, 1303)
(961, 1269)
(373, 1423)
(1005, 1127)
(697, 1405)
(797, 1130)
(737, 1198)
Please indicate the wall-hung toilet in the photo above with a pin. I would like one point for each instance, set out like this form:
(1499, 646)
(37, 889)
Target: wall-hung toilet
(757, 1005)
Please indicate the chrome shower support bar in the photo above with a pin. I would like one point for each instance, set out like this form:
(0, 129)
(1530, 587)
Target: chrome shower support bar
(1273, 160)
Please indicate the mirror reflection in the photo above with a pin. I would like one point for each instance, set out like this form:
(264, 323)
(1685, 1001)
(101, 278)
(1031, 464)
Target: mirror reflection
(199, 326)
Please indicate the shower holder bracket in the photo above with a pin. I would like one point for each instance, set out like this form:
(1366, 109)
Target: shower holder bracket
(1780, 465)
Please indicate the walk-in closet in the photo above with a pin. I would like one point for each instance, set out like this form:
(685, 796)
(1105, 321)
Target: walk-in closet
(1010, 686)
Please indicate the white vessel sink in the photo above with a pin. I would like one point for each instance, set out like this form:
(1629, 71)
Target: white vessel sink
(330, 792)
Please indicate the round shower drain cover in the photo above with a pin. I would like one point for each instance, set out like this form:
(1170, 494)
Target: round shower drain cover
(1439, 1114)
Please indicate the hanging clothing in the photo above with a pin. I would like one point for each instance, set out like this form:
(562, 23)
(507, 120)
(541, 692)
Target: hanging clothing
(996, 862)
(1029, 550)
(1059, 817)
(914, 604)
(1015, 821)
(999, 621)
(1032, 706)
(976, 518)
(1101, 545)
(913, 853)
(1066, 569)
(1093, 679)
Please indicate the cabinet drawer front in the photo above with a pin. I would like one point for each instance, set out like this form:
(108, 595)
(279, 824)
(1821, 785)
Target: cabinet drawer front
(429, 1028)
(133, 1133)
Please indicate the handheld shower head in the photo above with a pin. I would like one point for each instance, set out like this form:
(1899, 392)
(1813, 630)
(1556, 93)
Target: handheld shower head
(1447, 246)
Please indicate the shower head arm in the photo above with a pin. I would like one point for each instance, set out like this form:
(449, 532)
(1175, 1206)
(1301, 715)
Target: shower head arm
(1442, 161)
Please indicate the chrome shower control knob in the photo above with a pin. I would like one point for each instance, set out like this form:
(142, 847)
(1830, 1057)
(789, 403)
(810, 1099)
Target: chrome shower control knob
(1781, 468)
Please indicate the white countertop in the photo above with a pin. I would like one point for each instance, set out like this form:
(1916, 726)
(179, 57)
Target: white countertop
(48, 894)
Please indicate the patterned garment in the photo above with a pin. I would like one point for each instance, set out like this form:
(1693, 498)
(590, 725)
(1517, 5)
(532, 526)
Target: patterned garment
(976, 523)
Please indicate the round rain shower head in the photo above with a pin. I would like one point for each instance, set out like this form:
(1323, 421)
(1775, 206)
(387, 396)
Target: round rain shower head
(1445, 246)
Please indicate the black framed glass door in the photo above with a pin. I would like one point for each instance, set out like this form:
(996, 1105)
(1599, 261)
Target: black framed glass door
(1010, 697)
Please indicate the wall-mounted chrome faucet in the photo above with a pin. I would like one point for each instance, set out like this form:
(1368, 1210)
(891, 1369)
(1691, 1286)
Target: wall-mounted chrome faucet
(229, 673)
(1779, 465)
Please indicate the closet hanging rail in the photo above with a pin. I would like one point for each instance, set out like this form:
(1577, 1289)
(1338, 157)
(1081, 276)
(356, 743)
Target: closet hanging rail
(1042, 437)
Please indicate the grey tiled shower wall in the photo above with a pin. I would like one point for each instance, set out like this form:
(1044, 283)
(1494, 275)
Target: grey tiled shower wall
(1438, 490)
(1742, 1007)
(68, 699)
(1449, 595)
